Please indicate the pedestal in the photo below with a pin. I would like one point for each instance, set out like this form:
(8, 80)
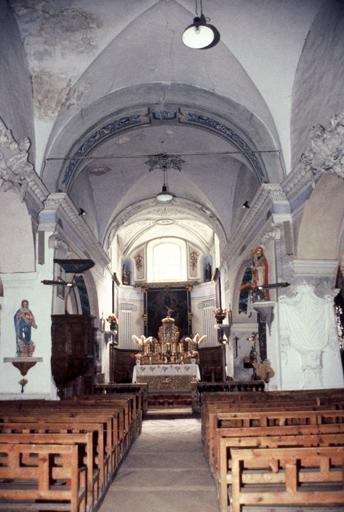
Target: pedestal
(23, 364)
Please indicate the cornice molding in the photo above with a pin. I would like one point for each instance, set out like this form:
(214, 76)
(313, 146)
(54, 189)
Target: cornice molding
(59, 207)
(314, 268)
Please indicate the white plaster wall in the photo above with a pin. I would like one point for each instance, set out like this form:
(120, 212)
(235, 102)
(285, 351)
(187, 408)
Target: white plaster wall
(16, 236)
(19, 286)
(318, 85)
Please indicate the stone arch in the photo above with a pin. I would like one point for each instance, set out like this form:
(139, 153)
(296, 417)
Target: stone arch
(158, 102)
(323, 216)
(18, 253)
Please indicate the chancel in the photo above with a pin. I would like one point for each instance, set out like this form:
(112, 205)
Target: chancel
(171, 255)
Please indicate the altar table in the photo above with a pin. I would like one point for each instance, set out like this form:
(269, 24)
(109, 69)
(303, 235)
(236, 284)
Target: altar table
(167, 377)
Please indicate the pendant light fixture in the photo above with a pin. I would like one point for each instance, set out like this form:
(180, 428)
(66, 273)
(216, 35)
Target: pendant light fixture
(164, 196)
(200, 35)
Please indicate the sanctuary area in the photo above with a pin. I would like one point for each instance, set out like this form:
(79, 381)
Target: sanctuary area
(171, 249)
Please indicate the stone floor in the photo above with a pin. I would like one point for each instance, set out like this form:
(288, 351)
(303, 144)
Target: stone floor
(165, 471)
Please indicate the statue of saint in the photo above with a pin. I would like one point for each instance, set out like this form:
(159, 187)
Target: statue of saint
(260, 275)
(254, 286)
(23, 322)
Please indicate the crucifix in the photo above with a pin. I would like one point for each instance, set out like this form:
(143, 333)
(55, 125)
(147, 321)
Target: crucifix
(258, 291)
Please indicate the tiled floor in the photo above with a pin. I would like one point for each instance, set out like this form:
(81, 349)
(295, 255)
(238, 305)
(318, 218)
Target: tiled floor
(165, 471)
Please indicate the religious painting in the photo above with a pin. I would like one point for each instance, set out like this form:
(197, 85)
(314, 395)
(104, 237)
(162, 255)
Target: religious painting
(245, 288)
(60, 288)
(207, 269)
(126, 272)
(83, 295)
(217, 280)
(163, 301)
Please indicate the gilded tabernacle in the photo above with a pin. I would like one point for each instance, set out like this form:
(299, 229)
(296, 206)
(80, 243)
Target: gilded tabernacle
(169, 348)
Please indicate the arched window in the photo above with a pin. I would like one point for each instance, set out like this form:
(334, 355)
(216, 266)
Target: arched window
(166, 260)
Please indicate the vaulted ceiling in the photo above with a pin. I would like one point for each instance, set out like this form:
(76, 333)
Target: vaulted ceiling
(113, 84)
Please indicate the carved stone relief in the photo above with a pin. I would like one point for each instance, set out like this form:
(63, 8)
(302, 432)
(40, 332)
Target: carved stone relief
(193, 257)
(139, 259)
(307, 325)
(326, 150)
(15, 169)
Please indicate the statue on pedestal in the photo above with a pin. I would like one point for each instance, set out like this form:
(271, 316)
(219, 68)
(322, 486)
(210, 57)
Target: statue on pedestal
(24, 320)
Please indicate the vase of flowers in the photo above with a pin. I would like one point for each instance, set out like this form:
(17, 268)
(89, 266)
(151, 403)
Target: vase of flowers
(113, 321)
(137, 356)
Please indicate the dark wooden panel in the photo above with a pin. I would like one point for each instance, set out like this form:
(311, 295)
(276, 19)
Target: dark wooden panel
(73, 353)
(121, 365)
(211, 363)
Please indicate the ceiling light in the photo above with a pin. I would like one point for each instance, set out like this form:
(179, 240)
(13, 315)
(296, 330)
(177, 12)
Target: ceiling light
(200, 35)
(164, 196)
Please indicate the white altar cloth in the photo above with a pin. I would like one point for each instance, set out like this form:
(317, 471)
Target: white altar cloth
(166, 370)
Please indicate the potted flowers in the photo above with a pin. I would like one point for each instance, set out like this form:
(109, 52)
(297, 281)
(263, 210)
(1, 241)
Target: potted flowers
(220, 315)
(113, 321)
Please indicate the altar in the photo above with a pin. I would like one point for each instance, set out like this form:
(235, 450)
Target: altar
(167, 377)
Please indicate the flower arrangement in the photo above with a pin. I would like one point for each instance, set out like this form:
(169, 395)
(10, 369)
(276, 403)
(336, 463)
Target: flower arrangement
(136, 355)
(192, 354)
(112, 318)
(113, 321)
(220, 314)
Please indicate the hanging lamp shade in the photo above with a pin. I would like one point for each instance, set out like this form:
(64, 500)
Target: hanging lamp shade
(164, 196)
(200, 35)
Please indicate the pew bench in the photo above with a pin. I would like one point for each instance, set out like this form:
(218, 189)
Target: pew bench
(87, 458)
(68, 428)
(299, 476)
(227, 445)
(52, 479)
(272, 419)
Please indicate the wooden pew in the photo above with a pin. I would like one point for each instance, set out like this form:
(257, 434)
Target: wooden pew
(268, 422)
(78, 416)
(285, 404)
(86, 453)
(290, 481)
(42, 485)
(66, 427)
(333, 398)
(102, 427)
(303, 438)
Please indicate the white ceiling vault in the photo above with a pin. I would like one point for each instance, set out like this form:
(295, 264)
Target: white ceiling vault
(113, 84)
